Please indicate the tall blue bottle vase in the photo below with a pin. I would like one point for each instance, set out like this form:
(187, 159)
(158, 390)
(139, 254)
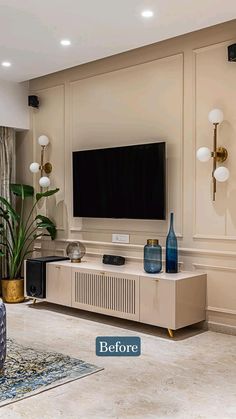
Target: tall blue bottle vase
(171, 249)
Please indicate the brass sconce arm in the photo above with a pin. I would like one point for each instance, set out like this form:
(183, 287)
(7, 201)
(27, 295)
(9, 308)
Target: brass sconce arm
(43, 168)
(219, 154)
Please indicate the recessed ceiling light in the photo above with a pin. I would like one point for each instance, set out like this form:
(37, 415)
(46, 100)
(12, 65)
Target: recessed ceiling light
(65, 42)
(147, 13)
(6, 64)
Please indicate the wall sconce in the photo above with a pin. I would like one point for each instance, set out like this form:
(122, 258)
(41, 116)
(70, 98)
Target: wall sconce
(219, 154)
(44, 168)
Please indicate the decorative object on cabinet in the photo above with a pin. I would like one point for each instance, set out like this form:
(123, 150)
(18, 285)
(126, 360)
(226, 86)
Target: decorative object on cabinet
(219, 154)
(44, 168)
(2, 334)
(18, 231)
(152, 257)
(75, 251)
(171, 249)
(113, 260)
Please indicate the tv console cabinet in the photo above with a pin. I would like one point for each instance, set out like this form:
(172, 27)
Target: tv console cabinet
(171, 301)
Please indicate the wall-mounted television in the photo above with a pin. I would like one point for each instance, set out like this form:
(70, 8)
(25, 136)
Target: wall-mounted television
(120, 182)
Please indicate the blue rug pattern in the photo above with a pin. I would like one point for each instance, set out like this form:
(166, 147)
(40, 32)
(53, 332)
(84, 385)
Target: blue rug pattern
(28, 371)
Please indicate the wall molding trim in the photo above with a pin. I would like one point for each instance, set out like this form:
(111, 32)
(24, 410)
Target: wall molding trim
(120, 231)
(221, 310)
(183, 251)
(221, 328)
(209, 237)
(214, 268)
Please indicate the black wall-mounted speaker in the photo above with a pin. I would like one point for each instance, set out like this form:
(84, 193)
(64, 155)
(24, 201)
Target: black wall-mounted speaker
(33, 101)
(36, 275)
(232, 52)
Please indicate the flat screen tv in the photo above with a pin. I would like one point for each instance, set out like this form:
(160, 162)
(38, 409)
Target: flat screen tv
(120, 182)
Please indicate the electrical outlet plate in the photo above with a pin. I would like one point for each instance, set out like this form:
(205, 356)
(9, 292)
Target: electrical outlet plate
(120, 238)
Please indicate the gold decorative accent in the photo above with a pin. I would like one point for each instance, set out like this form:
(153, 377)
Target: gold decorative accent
(44, 168)
(13, 290)
(171, 333)
(152, 242)
(47, 168)
(221, 154)
(214, 161)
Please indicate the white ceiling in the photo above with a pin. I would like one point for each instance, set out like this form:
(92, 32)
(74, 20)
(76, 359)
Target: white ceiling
(31, 30)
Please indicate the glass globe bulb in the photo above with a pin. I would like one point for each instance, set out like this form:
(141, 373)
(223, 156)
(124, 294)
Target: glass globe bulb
(34, 167)
(216, 116)
(44, 182)
(43, 140)
(203, 154)
(221, 174)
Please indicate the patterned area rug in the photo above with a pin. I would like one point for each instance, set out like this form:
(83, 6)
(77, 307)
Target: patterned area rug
(28, 372)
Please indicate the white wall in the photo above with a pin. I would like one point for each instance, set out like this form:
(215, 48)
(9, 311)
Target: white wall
(14, 110)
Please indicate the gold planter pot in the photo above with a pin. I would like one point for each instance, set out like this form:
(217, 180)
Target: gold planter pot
(13, 290)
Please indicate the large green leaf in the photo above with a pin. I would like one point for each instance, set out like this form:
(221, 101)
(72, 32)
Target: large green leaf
(10, 209)
(47, 224)
(22, 190)
(47, 193)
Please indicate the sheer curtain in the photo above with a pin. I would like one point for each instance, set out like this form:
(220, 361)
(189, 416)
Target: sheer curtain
(7, 173)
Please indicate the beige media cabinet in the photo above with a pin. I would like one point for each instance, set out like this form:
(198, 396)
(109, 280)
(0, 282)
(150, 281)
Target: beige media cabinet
(171, 301)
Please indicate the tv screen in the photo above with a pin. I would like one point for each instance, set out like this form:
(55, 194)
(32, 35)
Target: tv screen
(121, 182)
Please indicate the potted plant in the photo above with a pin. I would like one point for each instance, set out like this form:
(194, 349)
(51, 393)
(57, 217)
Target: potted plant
(18, 231)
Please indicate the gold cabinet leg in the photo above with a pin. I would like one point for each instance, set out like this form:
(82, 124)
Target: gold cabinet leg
(171, 333)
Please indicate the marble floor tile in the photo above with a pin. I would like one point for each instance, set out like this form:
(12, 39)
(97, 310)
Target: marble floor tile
(190, 376)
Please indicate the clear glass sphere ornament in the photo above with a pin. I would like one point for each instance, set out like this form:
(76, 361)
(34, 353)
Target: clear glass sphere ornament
(75, 251)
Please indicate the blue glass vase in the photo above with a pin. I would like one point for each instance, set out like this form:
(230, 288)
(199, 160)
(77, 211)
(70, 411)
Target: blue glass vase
(152, 257)
(171, 249)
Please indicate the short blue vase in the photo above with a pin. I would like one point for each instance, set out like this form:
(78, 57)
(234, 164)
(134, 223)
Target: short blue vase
(171, 249)
(152, 257)
(3, 343)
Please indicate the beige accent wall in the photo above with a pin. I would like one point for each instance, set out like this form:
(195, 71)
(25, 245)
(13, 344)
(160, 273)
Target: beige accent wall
(160, 92)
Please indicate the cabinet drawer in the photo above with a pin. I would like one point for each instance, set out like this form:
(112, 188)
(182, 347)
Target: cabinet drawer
(157, 302)
(58, 287)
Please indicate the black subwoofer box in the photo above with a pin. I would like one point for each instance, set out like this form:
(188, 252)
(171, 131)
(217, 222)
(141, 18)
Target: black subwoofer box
(36, 275)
